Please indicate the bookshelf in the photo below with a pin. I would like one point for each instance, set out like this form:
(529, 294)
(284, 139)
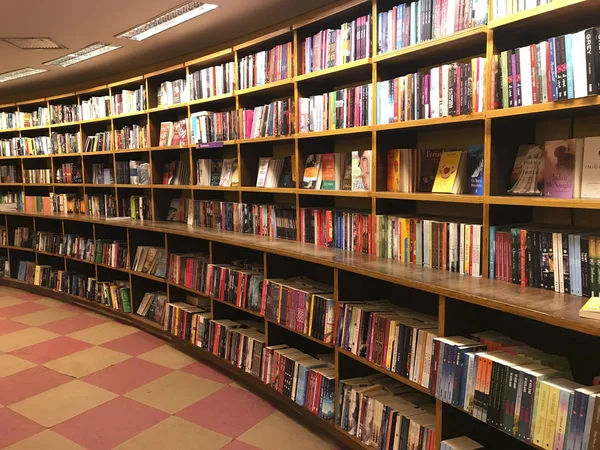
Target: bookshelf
(445, 294)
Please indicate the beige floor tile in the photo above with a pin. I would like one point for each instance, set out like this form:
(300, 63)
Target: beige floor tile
(168, 356)
(237, 385)
(8, 300)
(10, 364)
(62, 403)
(278, 432)
(103, 333)
(174, 392)
(43, 317)
(96, 315)
(46, 440)
(175, 433)
(50, 302)
(24, 338)
(86, 361)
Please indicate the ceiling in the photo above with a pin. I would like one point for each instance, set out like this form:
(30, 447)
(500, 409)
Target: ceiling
(78, 23)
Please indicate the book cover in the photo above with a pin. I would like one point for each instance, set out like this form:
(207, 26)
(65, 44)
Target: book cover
(287, 178)
(328, 171)
(527, 176)
(590, 175)
(429, 162)
(447, 172)
(475, 169)
(393, 170)
(311, 172)
(263, 168)
(591, 309)
(216, 168)
(559, 168)
(361, 170)
(166, 134)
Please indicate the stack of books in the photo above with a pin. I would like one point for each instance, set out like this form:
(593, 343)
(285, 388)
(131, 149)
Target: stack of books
(102, 175)
(265, 67)
(188, 269)
(37, 176)
(95, 108)
(172, 93)
(64, 113)
(273, 119)
(150, 260)
(129, 101)
(239, 283)
(132, 137)
(212, 81)
(338, 171)
(10, 174)
(217, 172)
(173, 134)
(100, 142)
(132, 172)
(275, 172)
(69, 173)
(181, 319)
(114, 294)
(153, 306)
(177, 173)
(111, 253)
(23, 237)
(25, 146)
(208, 126)
(66, 143)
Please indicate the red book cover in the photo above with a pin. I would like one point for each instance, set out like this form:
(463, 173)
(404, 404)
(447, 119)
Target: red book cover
(386, 338)
(329, 228)
(548, 72)
(371, 334)
(317, 396)
(370, 234)
(189, 272)
(533, 53)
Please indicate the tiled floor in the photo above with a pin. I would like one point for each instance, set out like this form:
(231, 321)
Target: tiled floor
(72, 379)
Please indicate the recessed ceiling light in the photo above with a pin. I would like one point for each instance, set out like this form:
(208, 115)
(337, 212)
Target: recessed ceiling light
(91, 51)
(166, 20)
(21, 73)
(35, 43)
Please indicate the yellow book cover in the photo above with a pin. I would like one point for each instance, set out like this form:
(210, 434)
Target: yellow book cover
(540, 416)
(591, 309)
(446, 173)
(312, 304)
(551, 415)
(36, 276)
(390, 346)
(404, 239)
(393, 170)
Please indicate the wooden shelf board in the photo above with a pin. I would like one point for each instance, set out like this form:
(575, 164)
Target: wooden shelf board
(337, 132)
(14, 247)
(215, 188)
(10, 130)
(268, 190)
(129, 114)
(11, 184)
(431, 197)
(60, 155)
(583, 203)
(288, 82)
(210, 57)
(167, 108)
(65, 125)
(119, 269)
(282, 138)
(130, 150)
(334, 193)
(49, 254)
(185, 288)
(333, 71)
(148, 276)
(39, 127)
(139, 78)
(214, 98)
(97, 120)
(306, 336)
(249, 311)
(148, 322)
(171, 186)
(168, 147)
(437, 121)
(133, 186)
(546, 108)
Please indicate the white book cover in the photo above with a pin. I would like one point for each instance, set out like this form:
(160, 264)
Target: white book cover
(444, 94)
(526, 84)
(462, 248)
(543, 46)
(263, 167)
(578, 58)
(578, 145)
(590, 173)
(434, 95)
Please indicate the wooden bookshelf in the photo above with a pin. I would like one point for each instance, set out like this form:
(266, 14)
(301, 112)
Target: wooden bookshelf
(558, 312)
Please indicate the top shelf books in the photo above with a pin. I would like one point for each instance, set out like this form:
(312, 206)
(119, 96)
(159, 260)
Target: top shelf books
(266, 66)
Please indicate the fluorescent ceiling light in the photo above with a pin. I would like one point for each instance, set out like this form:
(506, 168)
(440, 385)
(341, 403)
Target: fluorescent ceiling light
(21, 73)
(91, 51)
(35, 43)
(166, 20)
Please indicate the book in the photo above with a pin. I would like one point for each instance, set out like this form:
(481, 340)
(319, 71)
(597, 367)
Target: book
(559, 167)
(590, 175)
(591, 309)
(263, 169)
(449, 173)
(527, 176)
(361, 170)
(393, 171)
(429, 161)
(312, 168)
(475, 169)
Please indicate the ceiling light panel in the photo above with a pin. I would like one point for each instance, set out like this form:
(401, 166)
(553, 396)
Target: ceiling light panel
(21, 73)
(91, 51)
(166, 20)
(33, 43)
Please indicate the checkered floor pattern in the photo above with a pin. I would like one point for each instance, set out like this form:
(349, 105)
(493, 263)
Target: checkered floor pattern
(72, 379)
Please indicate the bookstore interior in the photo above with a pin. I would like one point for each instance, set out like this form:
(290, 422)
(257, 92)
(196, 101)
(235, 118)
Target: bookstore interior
(381, 217)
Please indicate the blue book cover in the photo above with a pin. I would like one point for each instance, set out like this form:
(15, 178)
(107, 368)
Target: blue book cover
(569, 54)
(301, 385)
(399, 15)
(475, 169)
(552, 46)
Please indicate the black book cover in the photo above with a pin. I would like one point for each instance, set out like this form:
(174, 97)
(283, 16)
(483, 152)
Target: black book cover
(490, 398)
(565, 263)
(510, 80)
(451, 90)
(585, 267)
(526, 408)
(528, 258)
(469, 90)
(561, 67)
(518, 76)
(515, 252)
(590, 60)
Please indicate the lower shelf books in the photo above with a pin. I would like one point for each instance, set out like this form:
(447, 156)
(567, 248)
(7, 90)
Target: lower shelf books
(188, 269)
(277, 221)
(136, 207)
(460, 443)
(213, 126)
(102, 175)
(180, 210)
(540, 257)
(393, 337)
(308, 381)
(37, 176)
(132, 172)
(60, 280)
(217, 172)
(347, 230)
(181, 320)
(176, 173)
(301, 304)
(238, 283)
(150, 260)
(100, 142)
(153, 306)
(274, 119)
(65, 143)
(132, 137)
(4, 266)
(23, 237)
(69, 173)
(111, 253)
(338, 171)
(115, 294)
(431, 242)
(385, 414)
(275, 172)
(10, 174)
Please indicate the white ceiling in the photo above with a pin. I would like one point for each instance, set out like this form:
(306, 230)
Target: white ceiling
(78, 23)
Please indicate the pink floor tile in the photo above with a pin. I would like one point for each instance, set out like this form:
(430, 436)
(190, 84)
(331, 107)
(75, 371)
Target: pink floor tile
(72, 324)
(74, 308)
(135, 344)
(239, 445)
(204, 371)
(50, 350)
(229, 411)
(22, 309)
(15, 427)
(29, 296)
(110, 424)
(127, 375)
(8, 326)
(27, 383)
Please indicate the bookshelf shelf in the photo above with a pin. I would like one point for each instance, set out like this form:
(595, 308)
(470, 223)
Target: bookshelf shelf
(215, 188)
(306, 336)
(129, 114)
(337, 132)
(248, 311)
(263, 139)
(549, 109)
(268, 190)
(148, 276)
(107, 266)
(64, 125)
(170, 186)
(360, 66)
(85, 261)
(185, 288)
(24, 249)
(159, 109)
(431, 197)
(547, 202)
(40, 127)
(274, 87)
(334, 193)
(215, 98)
(435, 122)
(99, 120)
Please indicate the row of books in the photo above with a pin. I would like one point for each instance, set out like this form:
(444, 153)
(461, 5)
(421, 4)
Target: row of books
(37, 176)
(273, 119)
(212, 81)
(393, 337)
(64, 244)
(25, 146)
(99, 142)
(541, 257)
(344, 108)
(66, 281)
(278, 221)
(450, 90)
(66, 143)
(173, 133)
(101, 174)
(111, 252)
(3, 236)
(132, 137)
(23, 237)
(95, 108)
(414, 22)
(565, 168)
(129, 101)
(68, 173)
(10, 174)
(64, 113)
(208, 126)
(114, 294)
(430, 242)
(301, 304)
(136, 207)
(153, 306)
(503, 8)
(172, 93)
(441, 171)
(338, 171)
(150, 260)
(188, 269)
(266, 66)
(345, 230)
(239, 283)
(385, 414)
(23, 119)
(560, 68)
(217, 172)
(132, 172)
(181, 318)
(334, 47)
(275, 172)
(176, 173)
(9, 200)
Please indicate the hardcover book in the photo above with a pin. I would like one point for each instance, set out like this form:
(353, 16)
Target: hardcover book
(475, 169)
(311, 172)
(590, 176)
(447, 172)
(361, 170)
(263, 167)
(559, 167)
(328, 171)
(527, 176)
(216, 168)
(393, 170)
(430, 160)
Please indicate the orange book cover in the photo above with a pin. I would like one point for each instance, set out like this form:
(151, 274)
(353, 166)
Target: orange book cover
(393, 170)
(328, 171)
(46, 204)
(29, 204)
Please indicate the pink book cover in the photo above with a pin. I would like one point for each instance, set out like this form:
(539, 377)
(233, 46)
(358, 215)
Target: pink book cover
(559, 168)
(249, 117)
